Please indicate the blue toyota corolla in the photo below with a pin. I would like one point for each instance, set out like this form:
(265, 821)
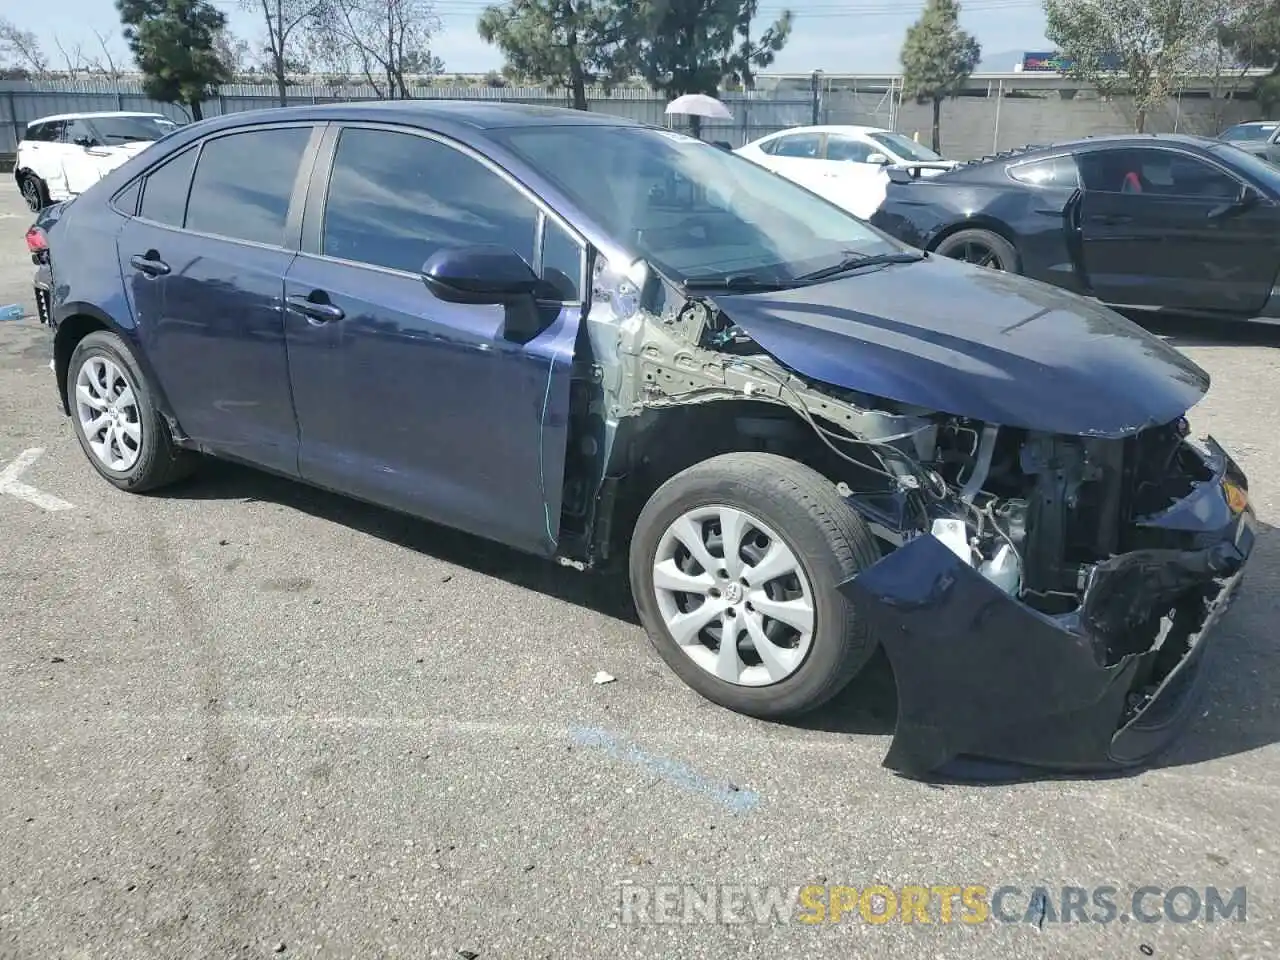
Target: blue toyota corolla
(603, 342)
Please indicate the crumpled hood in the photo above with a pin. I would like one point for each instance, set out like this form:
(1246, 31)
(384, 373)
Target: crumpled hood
(977, 343)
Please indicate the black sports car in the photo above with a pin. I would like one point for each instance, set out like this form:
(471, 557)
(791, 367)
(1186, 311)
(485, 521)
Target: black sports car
(1157, 222)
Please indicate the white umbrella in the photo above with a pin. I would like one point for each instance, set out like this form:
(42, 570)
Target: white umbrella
(699, 105)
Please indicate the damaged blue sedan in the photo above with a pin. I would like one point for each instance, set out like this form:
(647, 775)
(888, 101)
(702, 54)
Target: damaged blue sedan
(612, 345)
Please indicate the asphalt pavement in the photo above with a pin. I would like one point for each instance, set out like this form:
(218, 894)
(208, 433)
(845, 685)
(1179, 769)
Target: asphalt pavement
(244, 718)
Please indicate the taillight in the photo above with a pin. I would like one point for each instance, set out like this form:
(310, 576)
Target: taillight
(36, 241)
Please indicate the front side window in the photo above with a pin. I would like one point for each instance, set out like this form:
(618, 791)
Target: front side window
(1136, 170)
(396, 198)
(848, 149)
(243, 183)
(691, 210)
(900, 146)
(80, 133)
(164, 192)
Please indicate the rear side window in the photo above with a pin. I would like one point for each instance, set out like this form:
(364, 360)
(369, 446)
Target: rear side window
(799, 145)
(164, 195)
(1051, 172)
(243, 184)
(36, 132)
(47, 132)
(395, 199)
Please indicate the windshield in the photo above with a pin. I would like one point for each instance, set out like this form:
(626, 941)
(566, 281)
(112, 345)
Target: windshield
(1248, 131)
(129, 129)
(691, 209)
(1262, 171)
(904, 147)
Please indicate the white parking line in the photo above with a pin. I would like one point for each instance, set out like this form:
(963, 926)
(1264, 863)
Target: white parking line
(12, 485)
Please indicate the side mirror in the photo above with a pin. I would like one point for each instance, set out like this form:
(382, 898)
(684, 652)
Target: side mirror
(85, 142)
(1246, 198)
(879, 159)
(482, 274)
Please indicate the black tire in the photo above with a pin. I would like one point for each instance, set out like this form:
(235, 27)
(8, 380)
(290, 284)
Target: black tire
(982, 248)
(160, 461)
(831, 541)
(34, 192)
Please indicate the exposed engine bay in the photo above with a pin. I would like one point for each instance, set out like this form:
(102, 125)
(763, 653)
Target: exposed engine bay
(1085, 533)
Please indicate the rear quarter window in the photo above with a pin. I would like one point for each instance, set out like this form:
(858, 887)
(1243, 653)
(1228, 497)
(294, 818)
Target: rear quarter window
(1048, 172)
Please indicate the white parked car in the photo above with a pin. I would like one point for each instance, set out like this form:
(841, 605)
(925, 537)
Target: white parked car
(844, 164)
(62, 156)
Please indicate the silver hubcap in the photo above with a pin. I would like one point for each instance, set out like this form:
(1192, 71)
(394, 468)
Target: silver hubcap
(107, 409)
(734, 596)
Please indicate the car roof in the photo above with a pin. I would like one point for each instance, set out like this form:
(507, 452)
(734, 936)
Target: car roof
(476, 114)
(828, 128)
(95, 115)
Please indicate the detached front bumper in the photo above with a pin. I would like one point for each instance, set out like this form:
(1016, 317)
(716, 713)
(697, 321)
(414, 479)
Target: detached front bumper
(981, 674)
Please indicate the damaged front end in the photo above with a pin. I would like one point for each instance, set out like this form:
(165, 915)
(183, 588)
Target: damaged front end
(1083, 652)
(1044, 591)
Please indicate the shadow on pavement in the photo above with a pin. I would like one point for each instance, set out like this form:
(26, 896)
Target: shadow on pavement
(1194, 332)
(220, 480)
(1240, 692)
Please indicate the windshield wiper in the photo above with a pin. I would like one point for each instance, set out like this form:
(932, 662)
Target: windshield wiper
(859, 260)
(738, 282)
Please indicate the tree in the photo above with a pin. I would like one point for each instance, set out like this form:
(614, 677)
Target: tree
(174, 43)
(383, 38)
(20, 50)
(287, 22)
(567, 43)
(937, 58)
(1252, 35)
(1146, 48)
(690, 46)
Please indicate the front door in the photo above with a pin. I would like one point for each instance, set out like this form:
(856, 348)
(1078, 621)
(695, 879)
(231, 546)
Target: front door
(1161, 228)
(205, 278)
(83, 157)
(405, 400)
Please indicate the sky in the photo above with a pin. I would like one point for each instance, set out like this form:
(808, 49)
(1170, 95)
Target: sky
(845, 36)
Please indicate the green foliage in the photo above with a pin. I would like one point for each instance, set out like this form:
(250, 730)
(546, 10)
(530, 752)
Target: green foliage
(174, 43)
(690, 46)
(568, 43)
(1253, 38)
(1158, 43)
(937, 58)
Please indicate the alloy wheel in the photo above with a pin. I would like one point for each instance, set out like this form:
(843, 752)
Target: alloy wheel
(31, 193)
(976, 253)
(107, 409)
(734, 596)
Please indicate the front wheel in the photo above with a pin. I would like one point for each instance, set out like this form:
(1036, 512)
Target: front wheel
(116, 419)
(982, 248)
(734, 566)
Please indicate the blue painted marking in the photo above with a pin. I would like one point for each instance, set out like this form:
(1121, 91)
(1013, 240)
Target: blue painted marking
(672, 771)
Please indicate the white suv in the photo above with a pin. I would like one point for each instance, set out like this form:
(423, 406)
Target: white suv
(62, 156)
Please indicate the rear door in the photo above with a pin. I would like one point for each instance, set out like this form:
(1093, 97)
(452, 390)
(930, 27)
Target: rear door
(42, 154)
(1159, 228)
(204, 264)
(798, 157)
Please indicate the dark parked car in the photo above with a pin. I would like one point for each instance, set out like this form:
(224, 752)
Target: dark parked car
(1257, 137)
(1174, 223)
(598, 341)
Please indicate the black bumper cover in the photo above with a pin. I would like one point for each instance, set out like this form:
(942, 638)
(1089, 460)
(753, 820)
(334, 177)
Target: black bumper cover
(980, 674)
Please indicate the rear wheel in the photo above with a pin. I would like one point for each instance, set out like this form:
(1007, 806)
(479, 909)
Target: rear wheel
(34, 192)
(116, 420)
(982, 248)
(734, 566)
